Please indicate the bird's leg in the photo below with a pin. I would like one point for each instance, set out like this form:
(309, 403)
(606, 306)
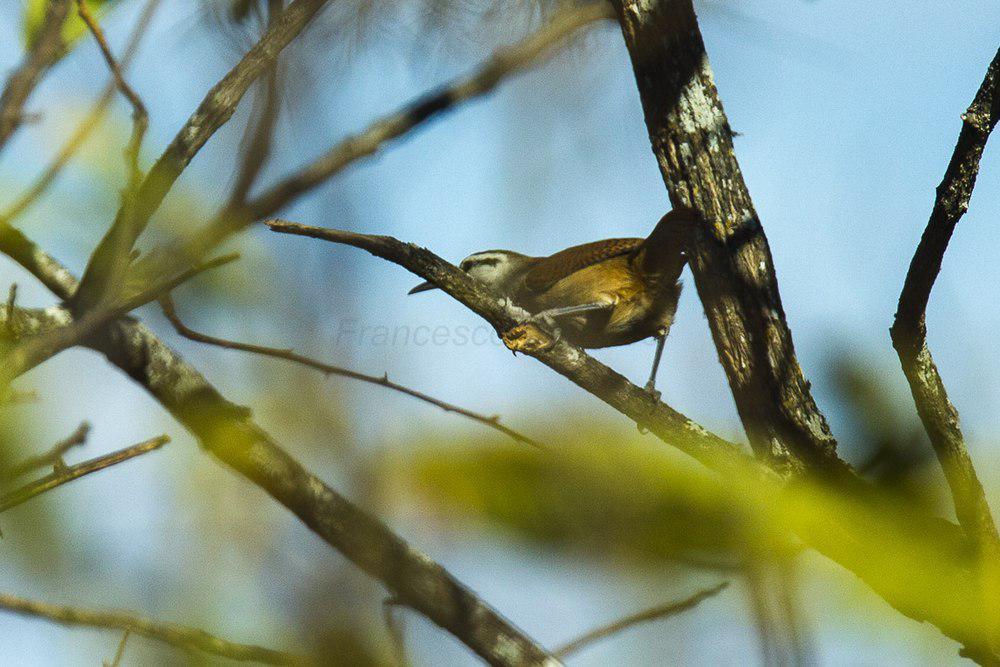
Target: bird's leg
(520, 339)
(661, 338)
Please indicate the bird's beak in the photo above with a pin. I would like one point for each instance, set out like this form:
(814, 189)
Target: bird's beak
(422, 287)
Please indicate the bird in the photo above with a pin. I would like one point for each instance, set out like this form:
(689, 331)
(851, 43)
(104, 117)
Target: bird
(599, 294)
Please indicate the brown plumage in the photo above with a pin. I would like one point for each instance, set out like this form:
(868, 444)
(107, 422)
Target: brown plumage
(599, 294)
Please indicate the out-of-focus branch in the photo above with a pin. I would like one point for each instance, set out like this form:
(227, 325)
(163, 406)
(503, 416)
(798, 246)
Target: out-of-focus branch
(381, 380)
(20, 84)
(226, 430)
(65, 475)
(653, 614)
(140, 118)
(52, 457)
(84, 129)
(909, 331)
(259, 133)
(35, 349)
(504, 63)
(109, 262)
(181, 636)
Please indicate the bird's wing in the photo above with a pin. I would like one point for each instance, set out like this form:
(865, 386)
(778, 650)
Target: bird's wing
(550, 270)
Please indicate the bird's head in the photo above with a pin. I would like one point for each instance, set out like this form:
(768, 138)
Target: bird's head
(496, 268)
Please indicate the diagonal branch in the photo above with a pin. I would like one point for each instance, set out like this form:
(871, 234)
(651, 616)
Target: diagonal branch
(732, 265)
(45, 51)
(84, 129)
(110, 260)
(181, 636)
(653, 614)
(506, 62)
(52, 457)
(493, 422)
(909, 331)
(140, 118)
(63, 476)
(226, 430)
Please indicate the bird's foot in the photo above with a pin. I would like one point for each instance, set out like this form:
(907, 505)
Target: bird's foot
(535, 334)
(650, 389)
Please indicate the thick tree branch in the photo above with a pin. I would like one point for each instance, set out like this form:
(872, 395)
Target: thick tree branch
(62, 476)
(110, 260)
(380, 380)
(226, 430)
(909, 331)
(44, 53)
(181, 636)
(732, 265)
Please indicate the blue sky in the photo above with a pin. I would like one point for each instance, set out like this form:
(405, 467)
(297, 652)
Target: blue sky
(848, 112)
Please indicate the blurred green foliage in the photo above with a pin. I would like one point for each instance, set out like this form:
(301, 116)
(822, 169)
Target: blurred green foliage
(73, 29)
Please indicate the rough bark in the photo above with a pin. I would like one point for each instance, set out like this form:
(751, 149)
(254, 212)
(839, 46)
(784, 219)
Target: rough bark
(731, 263)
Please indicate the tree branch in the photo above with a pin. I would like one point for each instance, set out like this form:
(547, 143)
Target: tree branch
(43, 54)
(52, 457)
(181, 636)
(226, 430)
(656, 613)
(506, 62)
(84, 129)
(382, 381)
(909, 331)
(110, 260)
(731, 263)
(63, 476)
(140, 118)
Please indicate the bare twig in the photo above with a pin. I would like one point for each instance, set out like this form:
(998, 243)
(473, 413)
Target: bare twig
(109, 261)
(503, 64)
(259, 133)
(394, 626)
(182, 636)
(140, 118)
(909, 331)
(381, 380)
(59, 477)
(35, 349)
(44, 52)
(653, 614)
(225, 430)
(120, 652)
(86, 126)
(11, 301)
(52, 457)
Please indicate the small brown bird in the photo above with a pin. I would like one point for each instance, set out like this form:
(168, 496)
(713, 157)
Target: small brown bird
(604, 293)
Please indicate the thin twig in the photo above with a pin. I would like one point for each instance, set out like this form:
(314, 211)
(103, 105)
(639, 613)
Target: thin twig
(59, 477)
(52, 457)
(656, 613)
(182, 636)
(120, 652)
(45, 51)
(110, 260)
(381, 380)
(909, 331)
(11, 301)
(394, 626)
(140, 118)
(34, 350)
(86, 126)
(259, 133)
(504, 63)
